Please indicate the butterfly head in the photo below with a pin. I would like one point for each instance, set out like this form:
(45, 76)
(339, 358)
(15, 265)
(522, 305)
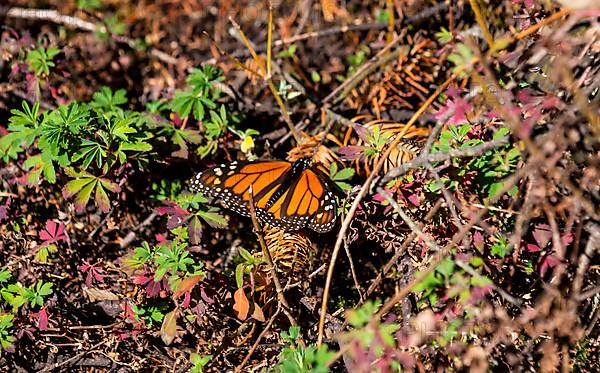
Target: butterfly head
(301, 165)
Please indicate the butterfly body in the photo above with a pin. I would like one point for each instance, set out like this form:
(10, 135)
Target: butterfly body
(286, 195)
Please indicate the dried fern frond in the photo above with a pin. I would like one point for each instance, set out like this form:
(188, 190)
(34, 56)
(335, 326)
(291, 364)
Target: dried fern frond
(322, 156)
(406, 150)
(404, 83)
(292, 253)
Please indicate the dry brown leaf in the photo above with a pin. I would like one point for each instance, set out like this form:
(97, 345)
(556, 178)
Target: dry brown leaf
(258, 313)
(168, 330)
(187, 284)
(241, 304)
(97, 295)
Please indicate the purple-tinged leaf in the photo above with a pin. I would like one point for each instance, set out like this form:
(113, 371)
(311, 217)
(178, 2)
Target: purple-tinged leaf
(457, 109)
(195, 230)
(454, 92)
(550, 261)
(352, 152)
(542, 235)
(92, 273)
(478, 241)
(4, 210)
(53, 233)
(42, 318)
(102, 198)
(532, 248)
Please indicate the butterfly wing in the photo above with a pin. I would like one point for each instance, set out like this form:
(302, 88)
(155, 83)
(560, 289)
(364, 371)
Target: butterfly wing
(231, 183)
(307, 202)
(289, 204)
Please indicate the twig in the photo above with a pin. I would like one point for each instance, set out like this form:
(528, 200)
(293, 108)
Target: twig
(101, 224)
(592, 245)
(267, 254)
(78, 23)
(479, 17)
(72, 359)
(425, 159)
(348, 82)
(267, 78)
(407, 242)
(363, 191)
(353, 271)
(432, 244)
(131, 235)
(258, 339)
(442, 253)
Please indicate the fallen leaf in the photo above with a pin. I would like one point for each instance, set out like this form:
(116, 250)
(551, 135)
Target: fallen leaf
(187, 284)
(241, 304)
(168, 330)
(96, 295)
(258, 313)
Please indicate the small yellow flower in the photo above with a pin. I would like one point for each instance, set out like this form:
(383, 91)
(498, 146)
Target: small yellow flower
(247, 144)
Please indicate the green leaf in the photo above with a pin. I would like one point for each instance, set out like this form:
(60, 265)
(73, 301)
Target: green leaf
(239, 275)
(5, 275)
(500, 247)
(41, 60)
(106, 100)
(90, 151)
(83, 186)
(444, 36)
(344, 174)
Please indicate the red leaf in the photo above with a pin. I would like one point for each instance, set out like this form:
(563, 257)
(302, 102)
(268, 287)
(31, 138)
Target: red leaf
(550, 261)
(566, 239)
(457, 109)
(478, 241)
(172, 208)
(42, 318)
(53, 233)
(414, 199)
(532, 248)
(186, 300)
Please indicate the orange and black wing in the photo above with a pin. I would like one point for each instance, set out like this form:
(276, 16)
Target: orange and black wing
(307, 202)
(231, 183)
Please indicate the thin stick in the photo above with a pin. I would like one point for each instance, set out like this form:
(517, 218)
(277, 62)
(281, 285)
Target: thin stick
(407, 242)
(479, 17)
(258, 339)
(363, 68)
(72, 359)
(268, 79)
(442, 253)
(361, 195)
(54, 16)
(269, 40)
(432, 244)
(267, 254)
(440, 157)
(353, 271)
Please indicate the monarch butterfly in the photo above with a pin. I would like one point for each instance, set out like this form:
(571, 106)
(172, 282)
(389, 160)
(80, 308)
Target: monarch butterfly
(287, 195)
